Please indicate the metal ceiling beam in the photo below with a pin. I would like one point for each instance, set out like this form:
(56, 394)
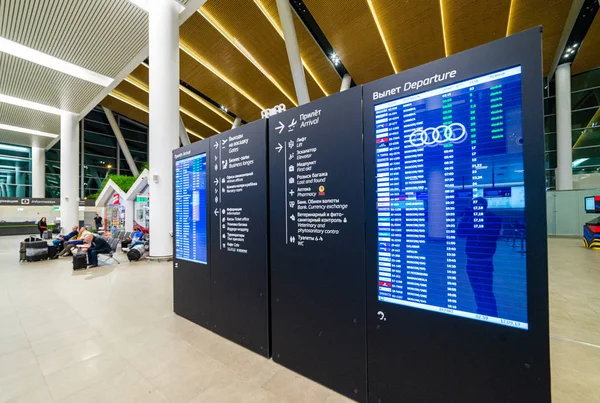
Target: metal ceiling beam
(121, 140)
(564, 37)
(293, 51)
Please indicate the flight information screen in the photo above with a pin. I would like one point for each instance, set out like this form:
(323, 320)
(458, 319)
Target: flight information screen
(451, 200)
(190, 209)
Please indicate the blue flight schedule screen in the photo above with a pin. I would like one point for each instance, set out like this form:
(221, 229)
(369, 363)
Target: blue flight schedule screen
(190, 209)
(451, 200)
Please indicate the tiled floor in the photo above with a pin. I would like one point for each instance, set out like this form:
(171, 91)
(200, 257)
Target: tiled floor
(109, 335)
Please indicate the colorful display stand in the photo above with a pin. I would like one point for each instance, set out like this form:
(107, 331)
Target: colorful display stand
(591, 234)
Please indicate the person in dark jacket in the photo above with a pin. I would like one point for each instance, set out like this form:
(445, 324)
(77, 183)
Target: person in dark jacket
(98, 221)
(42, 226)
(481, 230)
(97, 245)
(61, 239)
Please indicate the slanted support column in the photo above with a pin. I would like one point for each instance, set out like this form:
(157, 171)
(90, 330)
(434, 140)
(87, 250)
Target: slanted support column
(164, 121)
(121, 141)
(291, 44)
(183, 135)
(346, 82)
(564, 141)
(237, 122)
(69, 170)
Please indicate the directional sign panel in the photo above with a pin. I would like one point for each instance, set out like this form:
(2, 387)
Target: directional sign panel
(317, 242)
(239, 270)
(457, 280)
(191, 243)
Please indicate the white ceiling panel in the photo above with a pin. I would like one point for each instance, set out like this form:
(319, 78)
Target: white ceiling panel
(24, 139)
(30, 81)
(78, 31)
(24, 117)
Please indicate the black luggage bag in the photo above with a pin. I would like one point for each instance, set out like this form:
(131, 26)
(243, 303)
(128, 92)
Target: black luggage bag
(52, 251)
(79, 261)
(36, 251)
(47, 234)
(135, 253)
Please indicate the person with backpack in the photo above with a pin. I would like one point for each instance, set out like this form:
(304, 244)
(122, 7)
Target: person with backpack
(42, 226)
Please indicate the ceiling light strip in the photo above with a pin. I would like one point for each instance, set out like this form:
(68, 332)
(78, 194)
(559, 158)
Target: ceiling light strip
(190, 114)
(231, 39)
(31, 105)
(380, 29)
(194, 134)
(27, 131)
(210, 106)
(203, 101)
(145, 88)
(443, 27)
(510, 11)
(216, 72)
(262, 8)
(51, 62)
(129, 101)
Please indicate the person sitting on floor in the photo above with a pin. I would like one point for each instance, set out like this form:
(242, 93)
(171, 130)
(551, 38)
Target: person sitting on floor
(97, 245)
(73, 242)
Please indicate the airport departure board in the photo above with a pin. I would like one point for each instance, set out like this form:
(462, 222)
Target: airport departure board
(451, 200)
(190, 209)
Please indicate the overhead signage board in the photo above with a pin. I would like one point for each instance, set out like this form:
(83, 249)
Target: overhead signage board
(454, 168)
(317, 241)
(239, 228)
(191, 243)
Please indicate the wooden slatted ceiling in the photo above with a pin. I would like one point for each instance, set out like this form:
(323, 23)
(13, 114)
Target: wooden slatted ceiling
(210, 84)
(310, 52)
(588, 57)
(550, 14)
(413, 31)
(470, 23)
(125, 109)
(351, 30)
(203, 39)
(196, 127)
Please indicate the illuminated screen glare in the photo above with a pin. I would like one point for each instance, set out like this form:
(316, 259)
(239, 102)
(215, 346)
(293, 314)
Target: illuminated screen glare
(590, 206)
(451, 200)
(190, 209)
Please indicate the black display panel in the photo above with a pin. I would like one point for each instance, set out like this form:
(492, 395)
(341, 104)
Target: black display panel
(317, 242)
(454, 169)
(465, 136)
(191, 243)
(239, 231)
(190, 209)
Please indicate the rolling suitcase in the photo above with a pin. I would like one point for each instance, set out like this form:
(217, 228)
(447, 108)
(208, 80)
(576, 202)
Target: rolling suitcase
(79, 261)
(47, 234)
(136, 253)
(36, 251)
(52, 251)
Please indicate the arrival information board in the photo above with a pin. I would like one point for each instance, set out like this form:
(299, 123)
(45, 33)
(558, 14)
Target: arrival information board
(239, 247)
(317, 241)
(190, 209)
(449, 181)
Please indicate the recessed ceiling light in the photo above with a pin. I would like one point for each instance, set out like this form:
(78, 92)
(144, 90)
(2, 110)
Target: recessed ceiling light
(567, 55)
(51, 62)
(31, 105)
(574, 45)
(28, 131)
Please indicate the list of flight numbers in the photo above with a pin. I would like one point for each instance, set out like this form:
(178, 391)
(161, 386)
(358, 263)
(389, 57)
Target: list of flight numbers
(454, 126)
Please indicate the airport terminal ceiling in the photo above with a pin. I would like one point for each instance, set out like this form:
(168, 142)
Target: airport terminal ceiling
(243, 66)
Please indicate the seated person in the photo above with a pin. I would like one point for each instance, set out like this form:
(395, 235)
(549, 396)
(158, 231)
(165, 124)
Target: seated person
(96, 245)
(142, 241)
(73, 242)
(61, 239)
(133, 238)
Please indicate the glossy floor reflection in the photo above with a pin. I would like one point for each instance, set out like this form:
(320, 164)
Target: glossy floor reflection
(109, 335)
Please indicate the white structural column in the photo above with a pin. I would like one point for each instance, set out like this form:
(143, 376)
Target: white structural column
(346, 82)
(38, 172)
(237, 122)
(564, 145)
(121, 142)
(69, 170)
(291, 44)
(164, 121)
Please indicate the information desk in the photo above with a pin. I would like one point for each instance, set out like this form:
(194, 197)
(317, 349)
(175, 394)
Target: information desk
(454, 173)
